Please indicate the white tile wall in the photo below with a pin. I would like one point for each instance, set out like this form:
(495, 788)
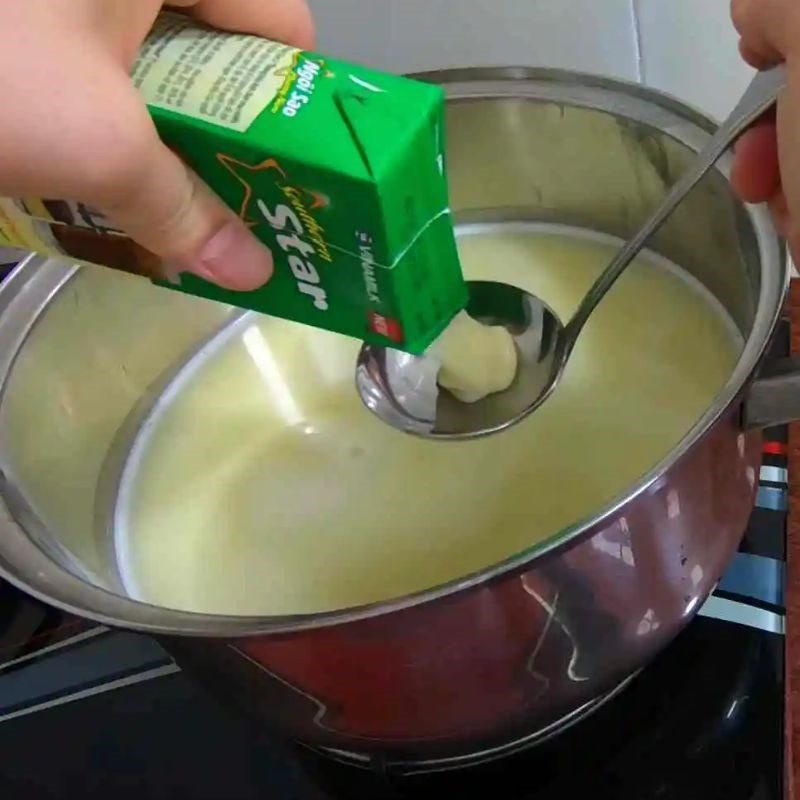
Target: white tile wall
(409, 35)
(685, 47)
(689, 48)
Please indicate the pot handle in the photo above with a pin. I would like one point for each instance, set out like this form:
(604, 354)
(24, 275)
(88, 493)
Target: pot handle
(774, 397)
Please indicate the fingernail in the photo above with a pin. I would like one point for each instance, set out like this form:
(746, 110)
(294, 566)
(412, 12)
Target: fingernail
(233, 259)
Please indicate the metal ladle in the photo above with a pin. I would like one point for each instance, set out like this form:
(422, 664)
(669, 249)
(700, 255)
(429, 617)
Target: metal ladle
(401, 389)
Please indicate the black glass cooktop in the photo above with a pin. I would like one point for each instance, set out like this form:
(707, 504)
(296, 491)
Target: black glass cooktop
(95, 713)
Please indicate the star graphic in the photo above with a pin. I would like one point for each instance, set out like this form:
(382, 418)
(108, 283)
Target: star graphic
(240, 170)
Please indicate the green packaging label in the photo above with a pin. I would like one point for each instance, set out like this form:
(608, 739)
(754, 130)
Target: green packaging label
(339, 169)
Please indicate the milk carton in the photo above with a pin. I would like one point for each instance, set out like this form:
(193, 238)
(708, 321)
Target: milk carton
(337, 168)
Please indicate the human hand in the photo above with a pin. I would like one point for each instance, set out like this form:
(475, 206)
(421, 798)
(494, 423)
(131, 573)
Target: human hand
(73, 126)
(767, 163)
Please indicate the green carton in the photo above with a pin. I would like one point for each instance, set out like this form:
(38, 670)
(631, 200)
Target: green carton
(339, 169)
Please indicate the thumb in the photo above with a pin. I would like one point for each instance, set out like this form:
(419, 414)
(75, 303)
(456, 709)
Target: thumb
(160, 203)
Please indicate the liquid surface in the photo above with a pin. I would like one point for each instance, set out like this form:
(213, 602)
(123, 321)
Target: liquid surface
(477, 360)
(261, 485)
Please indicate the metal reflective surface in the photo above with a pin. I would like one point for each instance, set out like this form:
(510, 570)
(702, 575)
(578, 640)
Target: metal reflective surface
(402, 390)
(498, 655)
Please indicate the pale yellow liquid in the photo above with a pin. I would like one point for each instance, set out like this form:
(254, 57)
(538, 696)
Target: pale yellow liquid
(266, 488)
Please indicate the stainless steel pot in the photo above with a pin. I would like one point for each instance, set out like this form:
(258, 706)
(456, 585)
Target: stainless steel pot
(493, 657)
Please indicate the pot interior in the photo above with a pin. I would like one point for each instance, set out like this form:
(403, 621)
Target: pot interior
(95, 351)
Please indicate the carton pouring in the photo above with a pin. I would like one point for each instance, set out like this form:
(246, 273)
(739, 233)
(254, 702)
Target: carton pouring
(337, 168)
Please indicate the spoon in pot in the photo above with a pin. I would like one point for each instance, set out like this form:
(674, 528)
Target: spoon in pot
(401, 389)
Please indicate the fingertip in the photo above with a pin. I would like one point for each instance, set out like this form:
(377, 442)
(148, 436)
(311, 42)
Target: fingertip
(763, 27)
(779, 208)
(755, 176)
(298, 28)
(745, 188)
(232, 258)
(754, 58)
(307, 32)
(794, 251)
(288, 21)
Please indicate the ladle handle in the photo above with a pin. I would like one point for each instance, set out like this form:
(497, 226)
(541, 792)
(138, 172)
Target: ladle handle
(758, 97)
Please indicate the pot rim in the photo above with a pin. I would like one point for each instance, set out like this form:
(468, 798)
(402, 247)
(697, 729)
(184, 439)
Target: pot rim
(28, 567)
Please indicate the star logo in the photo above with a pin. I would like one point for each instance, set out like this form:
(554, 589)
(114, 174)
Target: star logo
(239, 170)
(242, 173)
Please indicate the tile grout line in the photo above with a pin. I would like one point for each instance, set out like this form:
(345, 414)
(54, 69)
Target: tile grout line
(637, 41)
